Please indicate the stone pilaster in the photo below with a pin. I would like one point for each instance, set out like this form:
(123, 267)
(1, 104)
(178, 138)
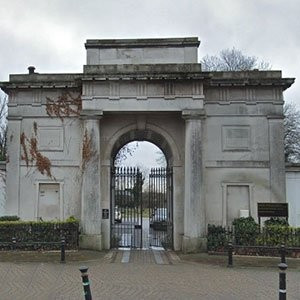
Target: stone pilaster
(277, 160)
(12, 206)
(91, 192)
(194, 202)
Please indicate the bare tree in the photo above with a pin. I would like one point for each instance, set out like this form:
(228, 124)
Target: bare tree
(124, 152)
(291, 133)
(232, 60)
(236, 60)
(161, 159)
(3, 125)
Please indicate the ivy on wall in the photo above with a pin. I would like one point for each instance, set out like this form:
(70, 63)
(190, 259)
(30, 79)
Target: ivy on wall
(87, 151)
(32, 156)
(65, 105)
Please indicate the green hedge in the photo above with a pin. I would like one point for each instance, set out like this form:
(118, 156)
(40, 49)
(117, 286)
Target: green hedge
(31, 231)
(217, 238)
(9, 218)
(276, 235)
(246, 232)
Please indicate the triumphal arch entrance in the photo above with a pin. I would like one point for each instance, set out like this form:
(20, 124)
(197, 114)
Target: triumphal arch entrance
(221, 133)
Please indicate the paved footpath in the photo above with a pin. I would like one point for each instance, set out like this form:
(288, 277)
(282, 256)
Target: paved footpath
(122, 275)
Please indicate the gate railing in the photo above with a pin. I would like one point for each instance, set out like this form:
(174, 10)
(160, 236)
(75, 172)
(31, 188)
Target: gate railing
(126, 207)
(161, 207)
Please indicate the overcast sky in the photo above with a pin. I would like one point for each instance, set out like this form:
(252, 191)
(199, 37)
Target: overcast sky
(50, 34)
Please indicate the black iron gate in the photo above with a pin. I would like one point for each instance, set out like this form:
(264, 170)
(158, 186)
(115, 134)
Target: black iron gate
(161, 207)
(126, 207)
(129, 227)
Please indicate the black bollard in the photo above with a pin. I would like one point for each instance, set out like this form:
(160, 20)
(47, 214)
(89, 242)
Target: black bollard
(14, 243)
(230, 260)
(62, 250)
(282, 254)
(282, 281)
(85, 283)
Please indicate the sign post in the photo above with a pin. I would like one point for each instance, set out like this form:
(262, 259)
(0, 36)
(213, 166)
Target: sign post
(267, 209)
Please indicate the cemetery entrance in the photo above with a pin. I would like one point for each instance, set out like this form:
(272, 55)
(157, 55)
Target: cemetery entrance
(141, 217)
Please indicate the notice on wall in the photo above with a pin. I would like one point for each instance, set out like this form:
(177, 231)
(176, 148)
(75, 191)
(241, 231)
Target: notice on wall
(272, 209)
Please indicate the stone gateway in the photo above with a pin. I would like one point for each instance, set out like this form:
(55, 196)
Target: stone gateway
(221, 133)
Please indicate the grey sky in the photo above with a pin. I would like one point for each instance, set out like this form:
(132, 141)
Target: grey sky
(50, 34)
(146, 156)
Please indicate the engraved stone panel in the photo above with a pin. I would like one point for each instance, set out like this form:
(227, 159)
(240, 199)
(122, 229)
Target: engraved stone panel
(50, 138)
(236, 138)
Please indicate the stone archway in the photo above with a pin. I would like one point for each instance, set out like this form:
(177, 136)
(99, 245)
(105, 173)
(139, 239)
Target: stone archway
(151, 133)
(131, 224)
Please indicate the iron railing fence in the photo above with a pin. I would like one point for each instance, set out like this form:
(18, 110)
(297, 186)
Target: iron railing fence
(218, 237)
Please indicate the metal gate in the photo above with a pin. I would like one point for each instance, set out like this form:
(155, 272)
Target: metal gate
(161, 207)
(129, 228)
(126, 207)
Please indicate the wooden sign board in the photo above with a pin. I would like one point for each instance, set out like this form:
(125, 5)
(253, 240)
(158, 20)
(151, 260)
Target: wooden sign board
(272, 210)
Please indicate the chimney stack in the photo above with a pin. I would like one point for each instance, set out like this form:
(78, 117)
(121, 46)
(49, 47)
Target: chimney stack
(31, 69)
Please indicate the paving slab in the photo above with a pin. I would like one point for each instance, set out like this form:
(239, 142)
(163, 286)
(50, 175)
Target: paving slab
(142, 277)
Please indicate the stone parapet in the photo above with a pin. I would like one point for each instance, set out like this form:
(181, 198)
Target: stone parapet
(141, 43)
(145, 69)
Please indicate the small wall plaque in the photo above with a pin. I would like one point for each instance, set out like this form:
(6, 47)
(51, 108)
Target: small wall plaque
(105, 213)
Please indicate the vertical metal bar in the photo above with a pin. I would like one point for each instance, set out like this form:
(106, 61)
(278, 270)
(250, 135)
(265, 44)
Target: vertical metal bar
(162, 204)
(128, 205)
(137, 207)
(14, 243)
(86, 283)
(118, 184)
(149, 206)
(230, 260)
(169, 228)
(116, 196)
(141, 209)
(282, 281)
(122, 182)
(62, 250)
(164, 199)
(112, 214)
(282, 254)
(161, 179)
(159, 205)
(125, 229)
(170, 205)
(131, 205)
(118, 203)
